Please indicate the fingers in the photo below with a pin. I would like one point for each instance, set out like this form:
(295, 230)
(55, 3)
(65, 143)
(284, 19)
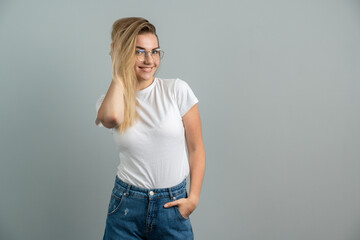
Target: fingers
(171, 204)
(183, 205)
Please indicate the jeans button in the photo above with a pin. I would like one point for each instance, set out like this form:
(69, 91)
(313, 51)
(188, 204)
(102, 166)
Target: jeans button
(151, 193)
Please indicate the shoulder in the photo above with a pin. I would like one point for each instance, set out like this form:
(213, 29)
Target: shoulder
(167, 82)
(168, 85)
(173, 84)
(180, 84)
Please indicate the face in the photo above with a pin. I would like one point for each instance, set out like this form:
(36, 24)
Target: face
(145, 70)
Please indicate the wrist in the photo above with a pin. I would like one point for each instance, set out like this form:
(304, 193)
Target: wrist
(194, 199)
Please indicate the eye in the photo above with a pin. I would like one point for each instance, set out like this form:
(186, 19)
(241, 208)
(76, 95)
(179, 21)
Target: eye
(155, 52)
(138, 52)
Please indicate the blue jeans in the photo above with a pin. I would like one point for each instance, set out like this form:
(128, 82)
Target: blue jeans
(138, 213)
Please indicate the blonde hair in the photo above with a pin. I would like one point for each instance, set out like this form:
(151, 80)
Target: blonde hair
(123, 36)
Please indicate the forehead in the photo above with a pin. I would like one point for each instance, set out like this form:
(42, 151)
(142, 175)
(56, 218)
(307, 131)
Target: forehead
(148, 41)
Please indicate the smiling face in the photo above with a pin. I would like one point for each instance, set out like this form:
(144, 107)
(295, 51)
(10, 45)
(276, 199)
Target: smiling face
(145, 70)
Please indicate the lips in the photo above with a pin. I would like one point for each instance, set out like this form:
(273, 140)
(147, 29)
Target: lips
(146, 69)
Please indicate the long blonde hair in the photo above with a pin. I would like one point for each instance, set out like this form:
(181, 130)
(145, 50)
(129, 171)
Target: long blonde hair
(123, 36)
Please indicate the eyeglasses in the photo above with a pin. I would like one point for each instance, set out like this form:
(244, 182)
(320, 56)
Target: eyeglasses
(156, 54)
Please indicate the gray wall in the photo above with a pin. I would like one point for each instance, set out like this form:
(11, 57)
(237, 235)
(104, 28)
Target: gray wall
(279, 97)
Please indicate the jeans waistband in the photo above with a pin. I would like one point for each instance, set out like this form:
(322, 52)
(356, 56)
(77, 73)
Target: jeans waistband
(171, 191)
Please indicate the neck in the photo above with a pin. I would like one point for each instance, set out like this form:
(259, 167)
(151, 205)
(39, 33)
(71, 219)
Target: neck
(143, 84)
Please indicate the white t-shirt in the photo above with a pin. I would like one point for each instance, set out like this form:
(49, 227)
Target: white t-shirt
(152, 152)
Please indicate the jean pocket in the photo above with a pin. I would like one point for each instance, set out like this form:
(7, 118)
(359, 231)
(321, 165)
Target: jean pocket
(115, 203)
(177, 210)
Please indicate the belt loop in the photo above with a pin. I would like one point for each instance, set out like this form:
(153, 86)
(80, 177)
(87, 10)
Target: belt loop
(170, 193)
(127, 190)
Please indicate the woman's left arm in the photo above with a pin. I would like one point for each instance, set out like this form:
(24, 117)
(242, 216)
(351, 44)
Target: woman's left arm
(197, 159)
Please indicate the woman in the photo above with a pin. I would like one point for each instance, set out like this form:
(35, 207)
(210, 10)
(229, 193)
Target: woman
(150, 118)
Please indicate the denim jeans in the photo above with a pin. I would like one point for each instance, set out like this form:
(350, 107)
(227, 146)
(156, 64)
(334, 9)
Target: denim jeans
(138, 213)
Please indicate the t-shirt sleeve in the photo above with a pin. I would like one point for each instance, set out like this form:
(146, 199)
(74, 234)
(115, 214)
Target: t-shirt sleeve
(97, 107)
(184, 96)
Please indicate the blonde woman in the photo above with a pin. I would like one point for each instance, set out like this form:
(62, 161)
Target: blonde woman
(151, 119)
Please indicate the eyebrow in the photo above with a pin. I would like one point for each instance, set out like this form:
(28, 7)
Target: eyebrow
(144, 48)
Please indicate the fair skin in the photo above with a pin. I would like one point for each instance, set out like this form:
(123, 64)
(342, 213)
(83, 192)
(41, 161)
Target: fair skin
(145, 70)
(196, 150)
(111, 111)
(192, 125)
(145, 76)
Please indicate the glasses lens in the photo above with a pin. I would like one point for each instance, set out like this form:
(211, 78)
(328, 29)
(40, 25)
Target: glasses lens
(161, 54)
(155, 54)
(140, 55)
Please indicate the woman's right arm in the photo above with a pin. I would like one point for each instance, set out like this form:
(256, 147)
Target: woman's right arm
(111, 111)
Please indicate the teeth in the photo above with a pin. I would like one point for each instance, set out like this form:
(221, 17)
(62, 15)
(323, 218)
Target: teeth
(146, 69)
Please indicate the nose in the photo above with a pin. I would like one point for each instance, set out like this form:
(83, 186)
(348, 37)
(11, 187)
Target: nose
(148, 58)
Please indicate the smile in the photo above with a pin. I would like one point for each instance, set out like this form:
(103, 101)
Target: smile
(146, 69)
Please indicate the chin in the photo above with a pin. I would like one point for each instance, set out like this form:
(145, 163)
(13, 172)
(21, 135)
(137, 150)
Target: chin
(145, 77)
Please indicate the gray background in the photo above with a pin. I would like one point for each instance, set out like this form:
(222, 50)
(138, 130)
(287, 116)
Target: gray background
(279, 95)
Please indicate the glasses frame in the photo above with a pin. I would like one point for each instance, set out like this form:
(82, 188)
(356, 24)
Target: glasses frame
(161, 52)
